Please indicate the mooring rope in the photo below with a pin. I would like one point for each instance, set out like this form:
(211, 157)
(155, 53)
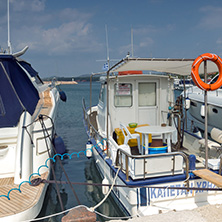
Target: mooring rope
(111, 188)
(49, 154)
(65, 211)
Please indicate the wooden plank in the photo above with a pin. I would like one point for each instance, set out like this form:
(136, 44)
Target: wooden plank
(6, 181)
(209, 176)
(19, 202)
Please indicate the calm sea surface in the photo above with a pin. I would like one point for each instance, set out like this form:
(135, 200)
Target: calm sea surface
(69, 126)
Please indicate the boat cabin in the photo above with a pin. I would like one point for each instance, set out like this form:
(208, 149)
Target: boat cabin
(133, 98)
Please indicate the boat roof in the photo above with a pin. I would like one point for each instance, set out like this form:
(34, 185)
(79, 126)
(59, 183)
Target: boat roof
(172, 66)
(17, 93)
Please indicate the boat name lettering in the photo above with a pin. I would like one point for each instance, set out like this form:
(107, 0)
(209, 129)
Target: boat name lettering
(162, 193)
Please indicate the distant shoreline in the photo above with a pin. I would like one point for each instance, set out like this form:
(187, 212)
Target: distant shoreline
(63, 82)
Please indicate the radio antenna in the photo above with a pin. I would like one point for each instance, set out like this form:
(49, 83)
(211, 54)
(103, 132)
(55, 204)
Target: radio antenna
(9, 42)
(107, 46)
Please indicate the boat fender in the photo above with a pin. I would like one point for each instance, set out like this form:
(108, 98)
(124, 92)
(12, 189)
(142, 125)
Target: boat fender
(59, 144)
(202, 110)
(105, 189)
(216, 134)
(89, 149)
(187, 103)
(195, 71)
(192, 162)
(62, 96)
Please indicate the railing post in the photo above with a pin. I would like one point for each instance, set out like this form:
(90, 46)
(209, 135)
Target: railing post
(220, 165)
(127, 167)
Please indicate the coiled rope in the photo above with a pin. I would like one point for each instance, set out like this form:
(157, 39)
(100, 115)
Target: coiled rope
(46, 165)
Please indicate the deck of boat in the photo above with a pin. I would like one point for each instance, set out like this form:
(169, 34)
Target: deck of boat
(44, 105)
(19, 202)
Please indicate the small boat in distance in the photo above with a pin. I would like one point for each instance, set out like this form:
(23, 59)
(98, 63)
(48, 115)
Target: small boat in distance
(138, 143)
(180, 84)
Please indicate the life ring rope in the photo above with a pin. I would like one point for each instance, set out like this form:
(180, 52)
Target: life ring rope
(195, 71)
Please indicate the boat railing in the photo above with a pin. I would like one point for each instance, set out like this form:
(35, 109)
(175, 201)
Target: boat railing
(124, 161)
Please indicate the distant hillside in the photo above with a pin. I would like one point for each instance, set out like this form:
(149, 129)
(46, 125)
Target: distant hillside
(85, 78)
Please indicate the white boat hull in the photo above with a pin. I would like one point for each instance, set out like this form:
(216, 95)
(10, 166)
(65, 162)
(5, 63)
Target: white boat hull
(148, 201)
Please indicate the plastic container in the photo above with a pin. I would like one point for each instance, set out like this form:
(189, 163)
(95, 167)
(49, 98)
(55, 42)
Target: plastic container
(133, 125)
(161, 149)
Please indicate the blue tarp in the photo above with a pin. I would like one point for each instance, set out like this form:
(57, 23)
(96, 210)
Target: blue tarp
(17, 92)
(28, 68)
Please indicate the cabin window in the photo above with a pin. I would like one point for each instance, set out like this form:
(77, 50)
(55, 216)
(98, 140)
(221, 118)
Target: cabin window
(147, 94)
(123, 95)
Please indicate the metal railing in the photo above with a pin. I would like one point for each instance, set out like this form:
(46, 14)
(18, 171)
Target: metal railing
(94, 133)
(121, 152)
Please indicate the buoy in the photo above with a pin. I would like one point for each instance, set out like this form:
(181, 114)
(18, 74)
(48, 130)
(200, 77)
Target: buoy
(62, 95)
(59, 144)
(89, 187)
(195, 71)
(105, 189)
(89, 149)
(192, 162)
(187, 103)
(202, 110)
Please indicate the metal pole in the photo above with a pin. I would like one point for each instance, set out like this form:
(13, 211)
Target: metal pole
(9, 41)
(107, 112)
(90, 99)
(184, 100)
(205, 113)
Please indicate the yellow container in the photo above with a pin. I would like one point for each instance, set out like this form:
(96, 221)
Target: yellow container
(132, 142)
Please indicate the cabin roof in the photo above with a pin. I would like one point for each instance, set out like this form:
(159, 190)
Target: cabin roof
(172, 66)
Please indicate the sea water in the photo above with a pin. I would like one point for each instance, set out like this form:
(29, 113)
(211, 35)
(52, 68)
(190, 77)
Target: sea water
(69, 125)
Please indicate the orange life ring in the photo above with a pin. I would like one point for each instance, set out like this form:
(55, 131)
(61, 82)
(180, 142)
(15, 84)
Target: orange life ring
(195, 71)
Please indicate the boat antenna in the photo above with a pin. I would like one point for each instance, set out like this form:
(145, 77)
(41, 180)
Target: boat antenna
(9, 42)
(132, 41)
(107, 46)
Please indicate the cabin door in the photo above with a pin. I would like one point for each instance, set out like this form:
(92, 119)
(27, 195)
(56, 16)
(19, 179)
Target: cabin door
(148, 94)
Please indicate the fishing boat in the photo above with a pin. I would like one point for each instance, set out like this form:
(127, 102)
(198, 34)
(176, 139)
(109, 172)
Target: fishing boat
(137, 139)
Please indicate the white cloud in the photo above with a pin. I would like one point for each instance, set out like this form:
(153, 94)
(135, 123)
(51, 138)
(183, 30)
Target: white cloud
(57, 32)
(212, 17)
(73, 14)
(33, 5)
(68, 37)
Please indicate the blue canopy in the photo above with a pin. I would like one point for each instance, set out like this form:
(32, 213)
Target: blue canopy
(17, 92)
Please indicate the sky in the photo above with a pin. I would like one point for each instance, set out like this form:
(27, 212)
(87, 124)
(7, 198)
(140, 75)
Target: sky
(68, 37)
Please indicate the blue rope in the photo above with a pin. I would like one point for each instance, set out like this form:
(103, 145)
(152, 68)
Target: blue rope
(46, 165)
